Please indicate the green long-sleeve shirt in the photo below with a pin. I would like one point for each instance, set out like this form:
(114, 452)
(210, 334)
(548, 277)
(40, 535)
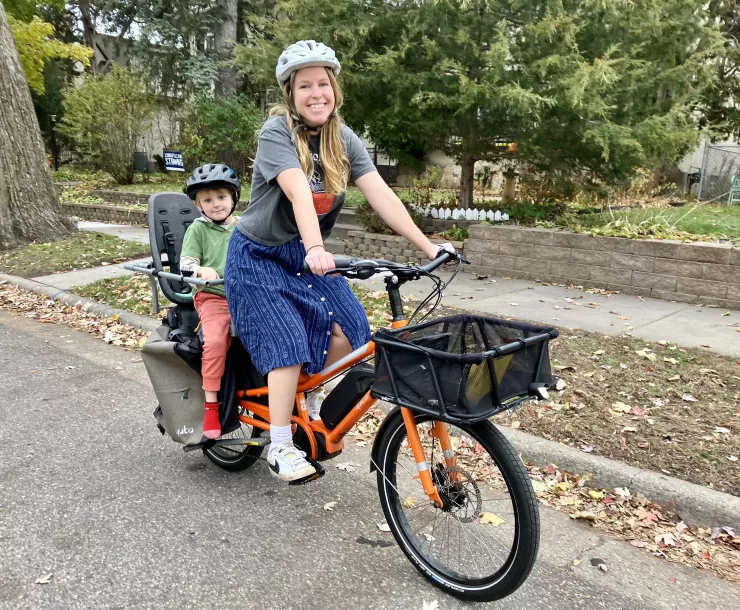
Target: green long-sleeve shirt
(206, 244)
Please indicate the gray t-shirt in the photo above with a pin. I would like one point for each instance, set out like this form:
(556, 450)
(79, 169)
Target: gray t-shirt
(269, 218)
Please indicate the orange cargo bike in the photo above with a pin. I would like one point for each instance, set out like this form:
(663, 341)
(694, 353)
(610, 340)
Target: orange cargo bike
(454, 492)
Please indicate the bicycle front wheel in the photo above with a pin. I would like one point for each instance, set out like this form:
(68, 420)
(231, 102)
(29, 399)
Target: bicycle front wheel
(481, 545)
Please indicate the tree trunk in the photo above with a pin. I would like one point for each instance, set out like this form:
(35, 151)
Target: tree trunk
(29, 208)
(466, 182)
(225, 39)
(88, 30)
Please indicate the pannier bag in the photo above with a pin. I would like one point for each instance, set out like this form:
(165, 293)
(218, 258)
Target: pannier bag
(177, 386)
(463, 367)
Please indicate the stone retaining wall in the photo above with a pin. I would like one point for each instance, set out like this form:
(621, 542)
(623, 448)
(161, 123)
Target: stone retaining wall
(120, 197)
(701, 272)
(107, 213)
(390, 247)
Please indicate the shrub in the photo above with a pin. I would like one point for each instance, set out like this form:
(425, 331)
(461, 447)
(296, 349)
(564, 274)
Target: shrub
(106, 117)
(372, 222)
(222, 130)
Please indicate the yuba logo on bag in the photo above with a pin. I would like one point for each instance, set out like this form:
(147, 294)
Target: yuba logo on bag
(184, 430)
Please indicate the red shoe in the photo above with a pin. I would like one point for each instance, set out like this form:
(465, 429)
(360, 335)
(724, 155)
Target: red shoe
(211, 423)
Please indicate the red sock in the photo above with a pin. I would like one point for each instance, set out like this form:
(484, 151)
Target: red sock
(211, 424)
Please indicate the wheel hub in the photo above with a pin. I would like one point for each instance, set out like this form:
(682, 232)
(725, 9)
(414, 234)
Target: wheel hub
(458, 491)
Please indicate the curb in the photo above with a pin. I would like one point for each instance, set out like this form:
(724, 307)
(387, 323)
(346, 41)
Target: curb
(126, 317)
(694, 503)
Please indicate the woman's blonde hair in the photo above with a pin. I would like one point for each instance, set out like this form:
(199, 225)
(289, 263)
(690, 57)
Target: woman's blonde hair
(331, 148)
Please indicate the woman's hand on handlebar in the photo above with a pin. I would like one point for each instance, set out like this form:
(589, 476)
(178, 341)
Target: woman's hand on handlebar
(435, 249)
(319, 260)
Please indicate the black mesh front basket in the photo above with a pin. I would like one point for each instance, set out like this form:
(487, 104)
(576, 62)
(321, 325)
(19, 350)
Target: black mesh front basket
(463, 367)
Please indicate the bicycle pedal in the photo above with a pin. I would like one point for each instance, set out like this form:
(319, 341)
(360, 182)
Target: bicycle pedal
(320, 472)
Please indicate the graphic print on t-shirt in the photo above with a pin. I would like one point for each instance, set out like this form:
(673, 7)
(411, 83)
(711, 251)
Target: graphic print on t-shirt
(322, 201)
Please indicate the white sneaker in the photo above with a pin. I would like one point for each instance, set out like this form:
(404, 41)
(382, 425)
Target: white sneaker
(287, 462)
(313, 403)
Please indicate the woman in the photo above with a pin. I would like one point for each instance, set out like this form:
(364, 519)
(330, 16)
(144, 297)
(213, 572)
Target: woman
(288, 319)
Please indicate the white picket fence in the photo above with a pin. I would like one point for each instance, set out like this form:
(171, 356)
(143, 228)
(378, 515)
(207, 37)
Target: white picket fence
(460, 214)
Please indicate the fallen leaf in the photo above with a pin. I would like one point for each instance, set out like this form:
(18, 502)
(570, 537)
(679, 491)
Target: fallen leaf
(409, 502)
(560, 385)
(646, 516)
(492, 519)
(638, 543)
(585, 516)
(675, 378)
(330, 506)
(433, 605)
(384, 527)
(622, 492)
(666, 539)
(599, 352)
(347, 466)
(596, 495)
(688, 398)
(622, 407)
(629, 429)
(44, 580)
(587, 449)
(670, 360)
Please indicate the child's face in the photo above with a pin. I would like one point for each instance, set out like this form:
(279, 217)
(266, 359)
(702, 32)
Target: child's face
(214, 203)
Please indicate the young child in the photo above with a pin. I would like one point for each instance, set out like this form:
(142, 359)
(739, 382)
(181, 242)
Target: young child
(215, 189)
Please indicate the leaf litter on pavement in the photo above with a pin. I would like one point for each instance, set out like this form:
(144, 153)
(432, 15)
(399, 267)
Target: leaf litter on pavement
(39, 307)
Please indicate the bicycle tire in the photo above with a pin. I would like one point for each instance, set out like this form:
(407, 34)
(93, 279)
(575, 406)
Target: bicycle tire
(231, 460)
(526, 525)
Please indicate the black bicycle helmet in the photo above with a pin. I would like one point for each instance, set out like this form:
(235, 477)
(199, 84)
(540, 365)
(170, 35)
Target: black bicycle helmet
(213, 175)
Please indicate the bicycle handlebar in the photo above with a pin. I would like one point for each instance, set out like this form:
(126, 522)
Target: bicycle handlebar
(178, 277)
(361, 268)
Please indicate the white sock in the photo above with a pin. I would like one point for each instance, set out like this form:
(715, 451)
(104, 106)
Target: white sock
(279, 434)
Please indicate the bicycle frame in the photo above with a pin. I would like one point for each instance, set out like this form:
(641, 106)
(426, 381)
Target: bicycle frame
(334, 439)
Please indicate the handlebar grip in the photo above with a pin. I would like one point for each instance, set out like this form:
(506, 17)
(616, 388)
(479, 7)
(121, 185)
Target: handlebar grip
(341, 261)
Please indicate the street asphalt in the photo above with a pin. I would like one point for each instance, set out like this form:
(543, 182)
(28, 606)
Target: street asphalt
(121, 517)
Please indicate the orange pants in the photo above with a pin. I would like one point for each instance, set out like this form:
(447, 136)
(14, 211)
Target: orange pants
(215, 320)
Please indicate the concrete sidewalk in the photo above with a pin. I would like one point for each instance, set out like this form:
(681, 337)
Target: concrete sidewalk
(646, 318)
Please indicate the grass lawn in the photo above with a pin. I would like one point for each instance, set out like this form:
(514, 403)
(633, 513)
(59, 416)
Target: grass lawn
(705, 220)
(80, 251)
(132, 293)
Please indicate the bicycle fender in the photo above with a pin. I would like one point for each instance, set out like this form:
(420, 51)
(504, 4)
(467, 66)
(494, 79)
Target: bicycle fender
(395, 413)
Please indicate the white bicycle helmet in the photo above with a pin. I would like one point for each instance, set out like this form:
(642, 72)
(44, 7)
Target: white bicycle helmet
(305, 54)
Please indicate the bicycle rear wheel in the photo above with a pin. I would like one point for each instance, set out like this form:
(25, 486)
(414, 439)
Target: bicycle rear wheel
(483, 543)
(236, 458)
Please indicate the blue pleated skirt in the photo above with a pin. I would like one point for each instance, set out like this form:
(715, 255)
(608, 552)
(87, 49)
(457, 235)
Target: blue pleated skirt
(282, 315)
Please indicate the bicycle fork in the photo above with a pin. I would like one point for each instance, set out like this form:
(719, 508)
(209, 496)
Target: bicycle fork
(438, 431)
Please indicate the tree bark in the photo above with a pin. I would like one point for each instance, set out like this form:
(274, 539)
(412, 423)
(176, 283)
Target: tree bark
(466, 182)
(29, 207)
(88, 30)
(225, 39)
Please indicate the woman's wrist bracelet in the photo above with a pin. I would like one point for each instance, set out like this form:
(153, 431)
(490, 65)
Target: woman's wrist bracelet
(316, 246)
